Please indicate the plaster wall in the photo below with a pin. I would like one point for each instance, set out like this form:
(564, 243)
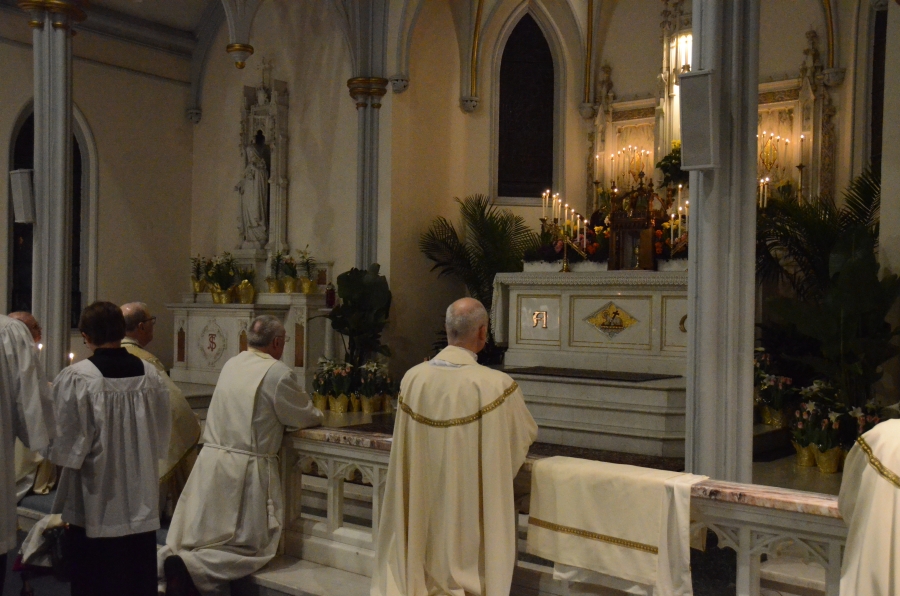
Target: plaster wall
(143, 144)
(889, 244)
(633, 48)
(309, 52)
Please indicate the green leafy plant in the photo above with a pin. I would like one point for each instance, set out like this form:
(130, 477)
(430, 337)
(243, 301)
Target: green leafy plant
(289, 267)
(306, 264)
(489, 241)
(362, 314)
(276, 266)
(245, 274)
(670, 166)
(200, 266)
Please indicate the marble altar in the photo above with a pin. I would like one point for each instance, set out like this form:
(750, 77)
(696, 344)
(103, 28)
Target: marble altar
(624, 321)
(207, 335)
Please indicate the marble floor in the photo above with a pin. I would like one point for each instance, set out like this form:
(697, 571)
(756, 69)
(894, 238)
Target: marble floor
(785, 473)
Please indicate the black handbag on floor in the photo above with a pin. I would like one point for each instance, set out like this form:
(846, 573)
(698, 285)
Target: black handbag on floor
(60, 543)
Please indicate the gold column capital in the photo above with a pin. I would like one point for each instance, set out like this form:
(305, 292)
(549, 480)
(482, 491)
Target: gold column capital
(243, 48)
(73, 9)
(362, 88)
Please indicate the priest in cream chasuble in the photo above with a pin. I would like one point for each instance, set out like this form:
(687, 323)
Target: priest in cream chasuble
(870, 505)
(448, 523)
(228, 521)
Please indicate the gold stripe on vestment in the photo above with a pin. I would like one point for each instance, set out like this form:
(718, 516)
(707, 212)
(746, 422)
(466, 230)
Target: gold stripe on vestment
(459, 421)
(876, 463)
(647, 548)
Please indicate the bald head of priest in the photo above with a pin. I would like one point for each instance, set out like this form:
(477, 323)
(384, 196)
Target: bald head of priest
(462, 432)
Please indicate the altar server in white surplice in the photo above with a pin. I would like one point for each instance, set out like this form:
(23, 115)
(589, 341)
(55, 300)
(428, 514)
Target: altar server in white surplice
(26, 413)
(448, 524)
(870, 505)
(229, 519)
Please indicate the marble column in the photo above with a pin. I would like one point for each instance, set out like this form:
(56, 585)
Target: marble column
(721, 277)
(367, 92)
(51, 23)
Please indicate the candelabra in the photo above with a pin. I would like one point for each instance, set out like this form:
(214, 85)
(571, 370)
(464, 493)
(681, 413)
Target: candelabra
(559, 234)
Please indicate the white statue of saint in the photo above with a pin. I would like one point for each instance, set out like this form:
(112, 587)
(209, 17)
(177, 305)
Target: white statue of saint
(254, 191)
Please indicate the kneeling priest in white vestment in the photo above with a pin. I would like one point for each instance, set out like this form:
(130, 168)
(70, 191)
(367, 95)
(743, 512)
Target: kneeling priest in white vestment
(112, 426)
(26, 414)
(228, 521)
(448, 523)
(870, 505)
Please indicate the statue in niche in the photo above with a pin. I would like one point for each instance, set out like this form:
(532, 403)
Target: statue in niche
(254, 191)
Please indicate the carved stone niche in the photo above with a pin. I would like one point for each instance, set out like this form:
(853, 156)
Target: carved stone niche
(263, 187)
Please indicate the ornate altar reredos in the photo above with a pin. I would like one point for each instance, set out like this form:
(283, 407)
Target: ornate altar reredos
(263, 187)
(632, 222)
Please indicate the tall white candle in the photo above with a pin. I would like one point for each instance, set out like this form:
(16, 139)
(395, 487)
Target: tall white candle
(687, 216)
(679, 201)
(672, 231)
(680, 227)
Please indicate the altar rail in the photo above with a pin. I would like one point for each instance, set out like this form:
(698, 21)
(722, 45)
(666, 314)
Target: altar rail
(334, 483)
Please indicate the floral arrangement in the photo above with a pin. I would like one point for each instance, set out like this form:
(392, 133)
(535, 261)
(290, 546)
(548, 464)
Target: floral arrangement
(244, 274)
(663, 240)
(276, 266)
(289, 267)
(222, 272)
(774, 391)
(200, 267)
(374, 379)
(323, 377)
(306, 263)
(596, 245)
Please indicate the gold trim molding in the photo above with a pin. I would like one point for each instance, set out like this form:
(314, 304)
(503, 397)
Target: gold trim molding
(589, 50)
(635, 114)
(73, 10)
(239, 47)
(829, 21)
(476, 40)
(363, 87)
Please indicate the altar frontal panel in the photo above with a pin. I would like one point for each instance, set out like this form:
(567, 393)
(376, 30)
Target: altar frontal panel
(611, 321)
(539, 317)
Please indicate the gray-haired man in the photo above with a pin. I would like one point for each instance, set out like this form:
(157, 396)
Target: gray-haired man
(228, 521)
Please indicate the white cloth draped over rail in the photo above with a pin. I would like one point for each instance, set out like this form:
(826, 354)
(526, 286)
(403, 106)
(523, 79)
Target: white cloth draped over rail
(228, 521)
(448, 523)
(870, 504)
(622, 527)
(26, 413)
(110, 431)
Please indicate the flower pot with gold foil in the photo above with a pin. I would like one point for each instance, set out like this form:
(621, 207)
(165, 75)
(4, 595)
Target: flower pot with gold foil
(320, 401)
(355, 403)
(276, 286)
(806, 456)
(308, 286)
(774, 417)
(339, 404)
(387, 404)
(220, 296)
(370, 405)
(290, 285)
(829, 462)
(245, 292)
(198, 285)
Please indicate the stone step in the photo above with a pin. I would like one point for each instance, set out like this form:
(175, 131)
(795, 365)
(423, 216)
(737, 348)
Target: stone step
(294, 577)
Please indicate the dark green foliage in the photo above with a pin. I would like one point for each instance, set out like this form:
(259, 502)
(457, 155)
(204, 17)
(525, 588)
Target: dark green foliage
(670, 166)
(362, 313)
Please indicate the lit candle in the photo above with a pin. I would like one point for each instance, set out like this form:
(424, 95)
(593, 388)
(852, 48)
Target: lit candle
(71, 358)
(680, 227)
(672, 231)
(687, 216)
(679, 201)
(612, 170)
(40, 347)
(565, 218)
(597, 167)
(557, 205)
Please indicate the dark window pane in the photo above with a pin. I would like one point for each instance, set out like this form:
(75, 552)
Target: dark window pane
(525, 167)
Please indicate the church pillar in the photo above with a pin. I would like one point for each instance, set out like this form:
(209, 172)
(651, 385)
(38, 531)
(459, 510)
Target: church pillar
(366, 23)
(367, 92)
(721, 276)
(51, 23)
(889, 240)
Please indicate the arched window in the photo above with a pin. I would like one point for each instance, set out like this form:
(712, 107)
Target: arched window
(23, 234)
(525, 144)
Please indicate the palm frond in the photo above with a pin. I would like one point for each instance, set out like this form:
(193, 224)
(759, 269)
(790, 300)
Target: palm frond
(862, 202)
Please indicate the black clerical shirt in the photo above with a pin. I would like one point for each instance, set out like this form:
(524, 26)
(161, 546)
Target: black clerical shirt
(117, 363)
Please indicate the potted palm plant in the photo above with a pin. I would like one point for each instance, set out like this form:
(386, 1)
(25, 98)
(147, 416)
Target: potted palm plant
(490, 241)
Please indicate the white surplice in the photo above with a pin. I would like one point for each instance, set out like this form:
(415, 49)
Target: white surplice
(110, 436)
(448, 523)
(870, 505)
(228, 521)
(26, 412)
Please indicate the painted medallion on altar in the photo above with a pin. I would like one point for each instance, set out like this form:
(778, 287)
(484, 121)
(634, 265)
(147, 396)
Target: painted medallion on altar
(212, 342)
(611, 320)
